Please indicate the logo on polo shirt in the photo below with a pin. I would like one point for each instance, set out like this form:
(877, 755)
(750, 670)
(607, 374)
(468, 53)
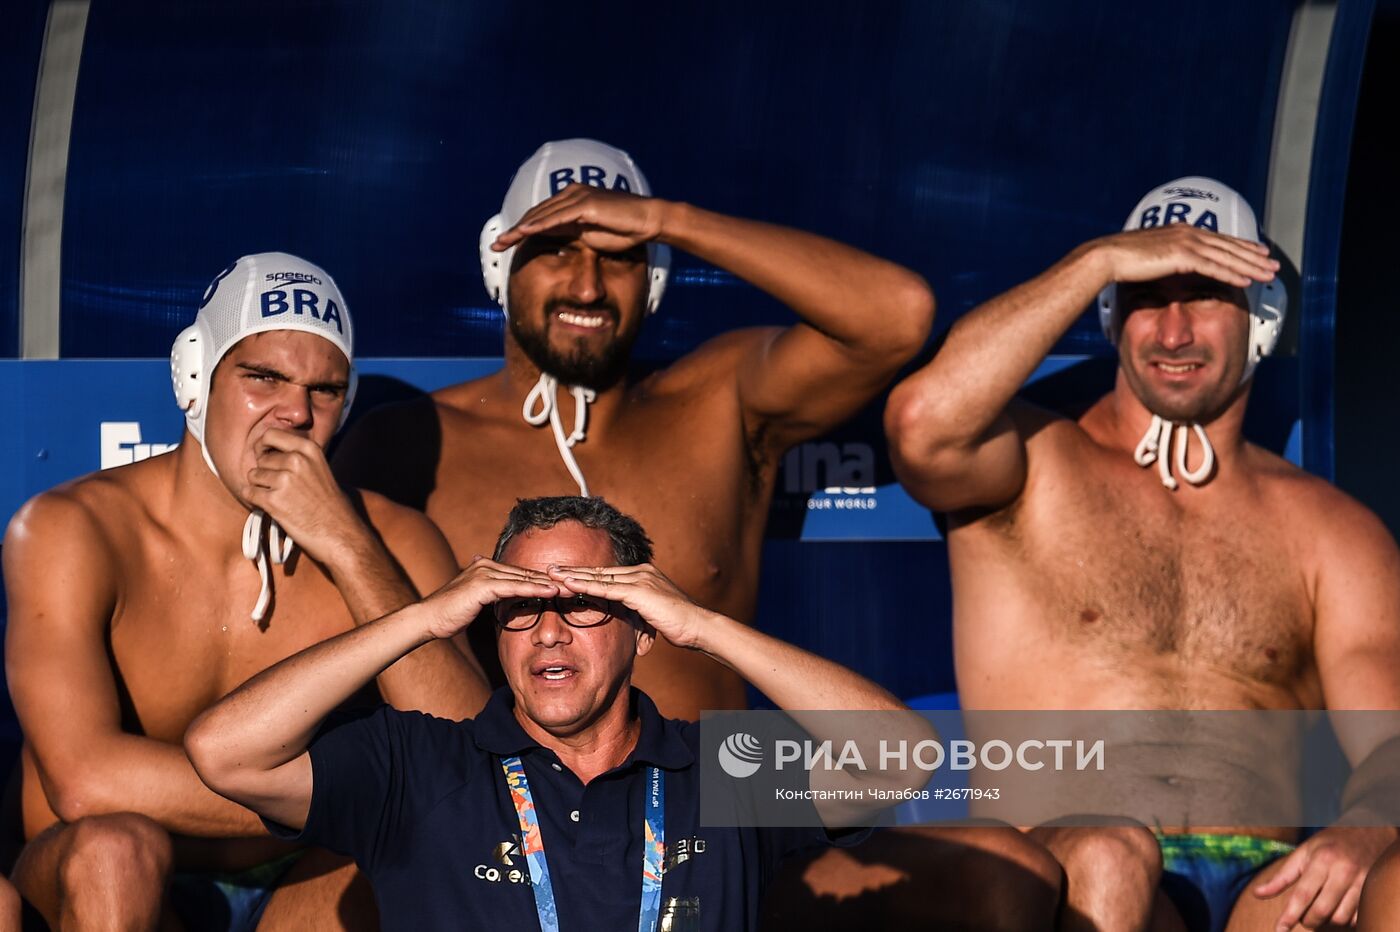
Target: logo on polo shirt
(503, 854)
(505, 849)
(682, 850)
(740, 755)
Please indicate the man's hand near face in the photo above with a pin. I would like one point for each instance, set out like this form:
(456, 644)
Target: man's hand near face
(608, 221)
(1179, 249)
(293, 483)
(645, 591)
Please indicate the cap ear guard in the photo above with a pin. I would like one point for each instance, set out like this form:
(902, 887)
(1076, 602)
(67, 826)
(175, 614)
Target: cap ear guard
(187, 376)
(495, 266)
(1269, 310)
(1108, 305)
(659, 260)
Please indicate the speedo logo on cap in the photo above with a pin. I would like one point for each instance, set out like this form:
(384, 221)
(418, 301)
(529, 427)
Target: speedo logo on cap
(301, 302)
(594, 175)
(1183, 191)
(292, 277)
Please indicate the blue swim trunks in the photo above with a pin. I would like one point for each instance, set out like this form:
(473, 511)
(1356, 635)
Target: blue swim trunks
(1205, 874)
(228, 902)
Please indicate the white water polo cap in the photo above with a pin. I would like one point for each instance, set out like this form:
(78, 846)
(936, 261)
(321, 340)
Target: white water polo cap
(553, 167)
(1210, 205)
(258, 293)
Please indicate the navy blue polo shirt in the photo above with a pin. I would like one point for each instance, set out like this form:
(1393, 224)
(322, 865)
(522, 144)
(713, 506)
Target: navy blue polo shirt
(421, 804)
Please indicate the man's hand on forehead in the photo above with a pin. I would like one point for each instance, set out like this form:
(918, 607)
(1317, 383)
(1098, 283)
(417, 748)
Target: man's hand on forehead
(293, 483)
(479, 586)
(1179, 249)
(608, 221)
(646, 591)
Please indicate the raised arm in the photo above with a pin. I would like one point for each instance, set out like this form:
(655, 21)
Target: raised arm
(378, 567)
(61, 586)
(251, 745)
(861, 316)
(953, 442)
(790, 676)
(831, 702)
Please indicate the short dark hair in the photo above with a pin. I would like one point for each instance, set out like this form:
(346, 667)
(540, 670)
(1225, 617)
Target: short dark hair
(630, 544)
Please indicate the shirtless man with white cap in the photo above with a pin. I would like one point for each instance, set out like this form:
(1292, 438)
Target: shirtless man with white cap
(140, 595)
(577, 257)
(1145, 556)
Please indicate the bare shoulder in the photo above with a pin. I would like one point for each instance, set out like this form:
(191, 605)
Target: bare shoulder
(397, 524)
(66, 546)
(715, 362)
(412, 540)
(1052, 441)
(463, 399)
(83, 511)
(1339, 527)
(1041, 424)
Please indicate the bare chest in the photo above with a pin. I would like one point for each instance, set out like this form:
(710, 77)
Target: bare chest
(182, 636)
(691, 485)
(1124, 575)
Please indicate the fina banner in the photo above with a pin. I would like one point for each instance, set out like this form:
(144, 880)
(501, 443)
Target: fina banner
(1174, 770)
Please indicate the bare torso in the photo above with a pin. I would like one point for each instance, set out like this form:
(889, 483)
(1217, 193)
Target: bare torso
(676, 456)
(1099, 589)
(179, 635)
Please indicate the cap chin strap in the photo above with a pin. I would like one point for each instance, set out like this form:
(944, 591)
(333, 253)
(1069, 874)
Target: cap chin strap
(1155, 446)
(279, 545)
(542, 404)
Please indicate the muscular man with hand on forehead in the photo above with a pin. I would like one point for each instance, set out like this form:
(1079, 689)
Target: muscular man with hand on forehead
(692, 450)
(1146, 556)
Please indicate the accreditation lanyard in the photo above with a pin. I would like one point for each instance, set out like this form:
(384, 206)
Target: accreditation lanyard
(532, 844)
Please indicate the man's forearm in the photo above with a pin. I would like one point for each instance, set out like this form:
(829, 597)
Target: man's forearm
(438, 678)
(271, 719)
(368, 579)
(857, 299)
(132, 773)
(790, 676)
(796, 680)
(991, 352)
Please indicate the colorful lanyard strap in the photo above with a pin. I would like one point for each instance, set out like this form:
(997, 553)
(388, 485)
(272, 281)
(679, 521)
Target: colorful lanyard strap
(532, 844)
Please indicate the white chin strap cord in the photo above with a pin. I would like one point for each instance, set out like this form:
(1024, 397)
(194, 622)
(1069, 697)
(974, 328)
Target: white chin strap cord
(1155, 446)
(279, 545)
(542, 404)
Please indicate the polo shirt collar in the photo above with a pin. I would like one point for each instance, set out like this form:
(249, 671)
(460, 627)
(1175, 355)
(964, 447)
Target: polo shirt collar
(660, 743)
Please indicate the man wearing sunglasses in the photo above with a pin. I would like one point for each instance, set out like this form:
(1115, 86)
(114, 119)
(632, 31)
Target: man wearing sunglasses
(568, 793)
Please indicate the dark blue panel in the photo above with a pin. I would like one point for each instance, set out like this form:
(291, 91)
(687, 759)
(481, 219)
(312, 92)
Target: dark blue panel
(1322, 242)
(21, 40)
(854, 603)
(1366, 378)
(974, 142)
